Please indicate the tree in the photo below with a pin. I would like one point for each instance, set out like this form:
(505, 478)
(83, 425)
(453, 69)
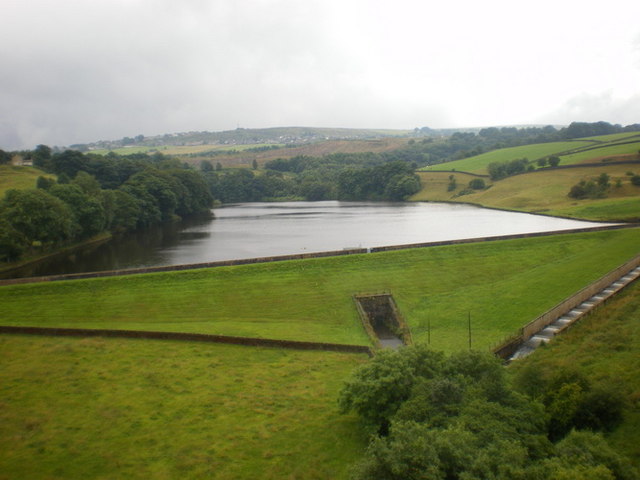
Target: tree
(554, 161)
(159, 187)
(37, 216)
(379, 388)
(45, 183)
(42, 157)
(87, 183)
(603, 181)
(477, 184)
(206, 166)
(402, 186)
(452, 184)
(254, 164)
(69, 163)
(5, 157)
(12, 242)
(87, 212)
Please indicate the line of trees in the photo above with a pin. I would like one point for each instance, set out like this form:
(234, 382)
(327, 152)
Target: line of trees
(95, 194)
(458, 417)
(333, 177)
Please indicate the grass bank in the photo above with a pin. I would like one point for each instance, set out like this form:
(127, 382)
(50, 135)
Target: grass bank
(502, 284)
(604, 348)
(106, 408)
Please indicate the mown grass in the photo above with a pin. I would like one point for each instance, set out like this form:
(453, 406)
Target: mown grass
(136, 409)
(544, 191)
(18, 177)
(502, 284)
(604, 348)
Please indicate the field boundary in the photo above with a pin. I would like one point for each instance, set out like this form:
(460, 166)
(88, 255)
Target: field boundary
(304, 256)
(192, 337)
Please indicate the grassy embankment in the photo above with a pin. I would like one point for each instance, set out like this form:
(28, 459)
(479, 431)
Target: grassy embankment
(107, 408)
(604, 348)
(506, 284)
(546, 190)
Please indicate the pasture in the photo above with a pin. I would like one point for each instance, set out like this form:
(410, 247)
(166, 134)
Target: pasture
(19, 177)
(139, 409)
(570, 152)
(478, 164)
(544, 191)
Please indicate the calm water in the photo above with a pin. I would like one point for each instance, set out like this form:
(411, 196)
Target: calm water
(265, 229)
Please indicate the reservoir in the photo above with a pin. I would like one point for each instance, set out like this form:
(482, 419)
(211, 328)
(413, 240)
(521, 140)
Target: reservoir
(250, 230)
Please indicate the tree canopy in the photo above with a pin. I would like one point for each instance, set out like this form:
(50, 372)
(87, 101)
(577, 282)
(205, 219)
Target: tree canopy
(457, 417)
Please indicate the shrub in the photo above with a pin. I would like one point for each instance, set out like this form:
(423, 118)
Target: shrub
(477, 184)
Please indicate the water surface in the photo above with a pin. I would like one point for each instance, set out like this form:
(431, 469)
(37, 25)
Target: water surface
(249, 230)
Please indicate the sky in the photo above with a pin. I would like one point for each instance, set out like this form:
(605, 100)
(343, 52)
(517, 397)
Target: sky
(78, 71)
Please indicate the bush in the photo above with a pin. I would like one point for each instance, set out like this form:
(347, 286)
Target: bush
(477, 184)
(635, 180)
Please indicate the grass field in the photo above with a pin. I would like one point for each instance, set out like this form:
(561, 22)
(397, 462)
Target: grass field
(136, 409)
(502, 284)
(478, 163)
(570, 152)
(544, 191)
(615, 137)
(604, 347)
(18, 177)
(599, 154)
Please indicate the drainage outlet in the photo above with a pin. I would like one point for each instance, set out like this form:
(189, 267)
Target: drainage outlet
(382, 320)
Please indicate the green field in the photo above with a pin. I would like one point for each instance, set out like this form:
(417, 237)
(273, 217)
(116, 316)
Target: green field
(136, 409)
(505, 285)
(603, 347)
(544, 191)
(570, 152)
(19, 177)
(602, 153)
(614, 137)
(478, 163)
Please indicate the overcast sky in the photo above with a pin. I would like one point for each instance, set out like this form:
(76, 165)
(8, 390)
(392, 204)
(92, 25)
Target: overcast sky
(76, 71)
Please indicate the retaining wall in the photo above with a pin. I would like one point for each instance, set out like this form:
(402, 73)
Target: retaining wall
(193, 337)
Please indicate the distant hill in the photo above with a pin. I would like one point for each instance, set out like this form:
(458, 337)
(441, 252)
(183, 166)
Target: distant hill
(246, 136)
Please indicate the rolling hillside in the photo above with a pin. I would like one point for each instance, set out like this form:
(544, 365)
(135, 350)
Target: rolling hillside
(592, 149)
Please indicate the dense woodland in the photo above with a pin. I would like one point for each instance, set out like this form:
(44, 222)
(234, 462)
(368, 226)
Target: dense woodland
(460, 418)
(87, 195)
